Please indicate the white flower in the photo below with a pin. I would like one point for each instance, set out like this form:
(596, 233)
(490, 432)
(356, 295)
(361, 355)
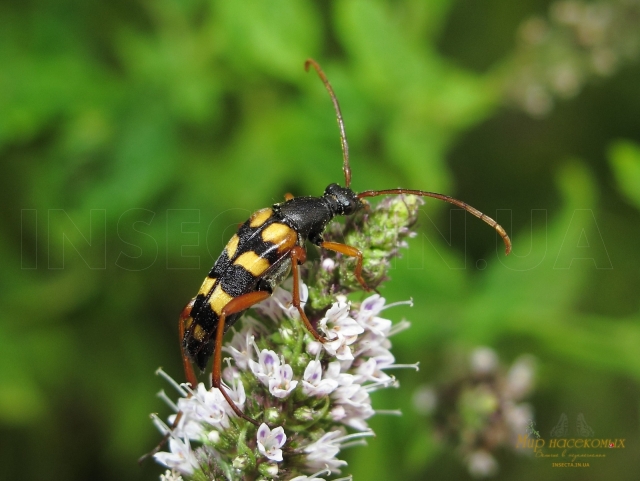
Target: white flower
(282, 385)
(170, 475)
(370, 370)
(312, 382)
(272, 305)
(353, 406)
(280, 303)
(241, 344)
(236, 393)
(340, 330)
(322, 453)
(314, 348)
(181, 458)
(267, 366)
(270, 442)
(334, 371)
(368, 318)
(382, 355)
(269, 370)
(203, 408)
(338, 413)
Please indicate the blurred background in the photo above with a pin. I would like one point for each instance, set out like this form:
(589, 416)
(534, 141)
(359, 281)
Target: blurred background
(136, 135)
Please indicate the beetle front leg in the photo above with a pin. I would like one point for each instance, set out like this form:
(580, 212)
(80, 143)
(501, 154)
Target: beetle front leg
(299, 256)
(350, 251)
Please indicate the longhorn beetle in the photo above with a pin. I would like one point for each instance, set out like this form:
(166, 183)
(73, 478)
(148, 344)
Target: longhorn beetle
(263, 251)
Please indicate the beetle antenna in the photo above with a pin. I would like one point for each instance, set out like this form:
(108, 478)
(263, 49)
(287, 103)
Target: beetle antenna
(499, 229)
(343, 135)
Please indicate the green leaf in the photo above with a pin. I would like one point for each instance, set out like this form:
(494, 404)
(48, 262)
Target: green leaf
(276, 36)
(624, 158)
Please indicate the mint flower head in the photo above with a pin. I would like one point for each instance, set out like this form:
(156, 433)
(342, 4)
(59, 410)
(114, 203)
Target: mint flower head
(311, 399)
(481, 411)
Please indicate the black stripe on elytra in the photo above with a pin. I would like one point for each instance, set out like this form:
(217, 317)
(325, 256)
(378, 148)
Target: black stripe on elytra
(237, 281)
(220, 265)
(203, 314)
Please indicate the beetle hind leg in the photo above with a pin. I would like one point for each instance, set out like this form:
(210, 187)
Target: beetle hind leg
(184, 322)
(236, 305)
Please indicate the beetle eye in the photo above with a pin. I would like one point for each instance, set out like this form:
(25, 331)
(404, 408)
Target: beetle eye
(350, 207)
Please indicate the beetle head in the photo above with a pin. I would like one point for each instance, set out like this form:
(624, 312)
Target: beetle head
(345, 200)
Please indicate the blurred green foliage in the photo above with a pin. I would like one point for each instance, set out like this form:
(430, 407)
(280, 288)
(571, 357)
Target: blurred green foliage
(135, 136)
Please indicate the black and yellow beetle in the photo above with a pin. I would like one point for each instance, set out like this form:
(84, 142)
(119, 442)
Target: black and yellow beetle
(263, 251)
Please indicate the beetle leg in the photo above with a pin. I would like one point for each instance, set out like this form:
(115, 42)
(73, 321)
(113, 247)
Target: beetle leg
(238, 304)
(351, 252)
(188, 372)
(299, 256)
(288, 196)
(186, 364)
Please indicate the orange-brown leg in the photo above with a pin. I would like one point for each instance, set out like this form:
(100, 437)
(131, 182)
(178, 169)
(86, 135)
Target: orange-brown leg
(288, 196)
(299, 256)
(188, 372)
(234, 306)
(351, 252)
(186, 364)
